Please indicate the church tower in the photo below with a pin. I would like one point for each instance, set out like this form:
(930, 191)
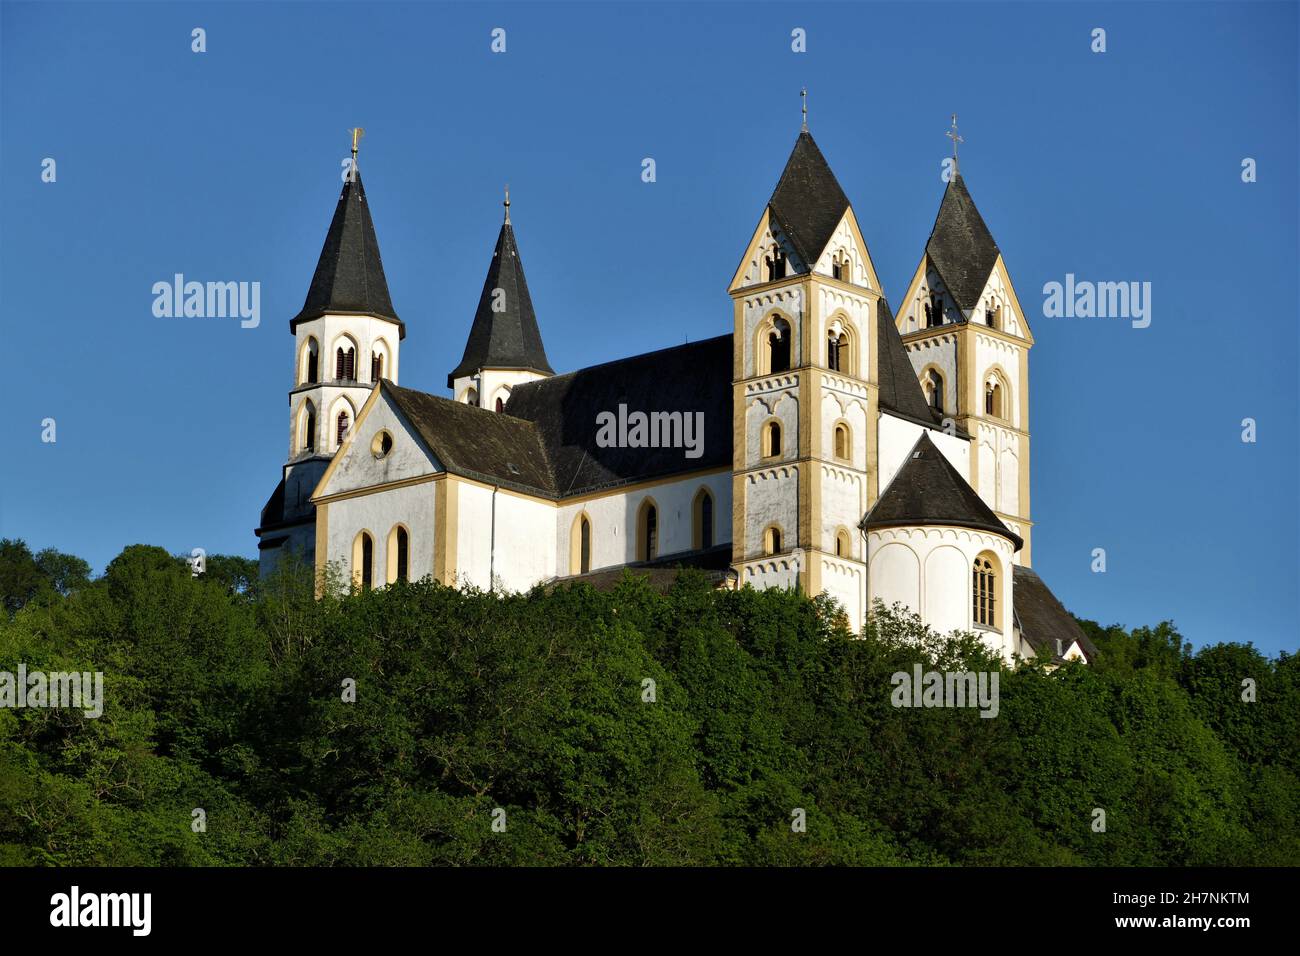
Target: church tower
(968, 341)
(346, 339)
(505, 346)
(806, 388)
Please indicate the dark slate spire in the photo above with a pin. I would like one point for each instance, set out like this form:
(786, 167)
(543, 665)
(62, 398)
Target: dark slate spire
(509, 338)
(350, 276)
(961, 247)
(928, 490)
(808, 202)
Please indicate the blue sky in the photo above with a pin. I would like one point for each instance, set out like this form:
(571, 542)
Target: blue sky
(1121, 166)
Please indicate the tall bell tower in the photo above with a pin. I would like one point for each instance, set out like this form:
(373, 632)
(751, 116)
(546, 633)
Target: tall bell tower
(504, 348)
(806, 303)
(969, 342)
(346, 338)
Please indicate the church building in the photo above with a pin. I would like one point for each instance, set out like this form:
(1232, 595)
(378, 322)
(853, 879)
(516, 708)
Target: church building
(826, 443)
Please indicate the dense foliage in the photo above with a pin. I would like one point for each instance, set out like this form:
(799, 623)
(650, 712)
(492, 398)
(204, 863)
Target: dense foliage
(228, 695)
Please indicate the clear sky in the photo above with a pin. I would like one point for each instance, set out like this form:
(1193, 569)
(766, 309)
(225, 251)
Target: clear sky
(1115, 166)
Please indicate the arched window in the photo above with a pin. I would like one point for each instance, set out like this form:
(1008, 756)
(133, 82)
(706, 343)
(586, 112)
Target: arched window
(934, 312)
(376, 366)
(772, 540)
(995, 397)
(842, 442)
(841, 267)
(308, 438)
(837, 347)
(778, 346)
(580, 544)
(984, 606)
(842, 544)
(471, 396)
(501, 406)
(311, 374)
(399, 554)
(991, 316)
(647, 526)
(702, 513)
(342, 423)
(345, 364)
(772, 440)
(934, 389)
(363, 561)
(775, 263)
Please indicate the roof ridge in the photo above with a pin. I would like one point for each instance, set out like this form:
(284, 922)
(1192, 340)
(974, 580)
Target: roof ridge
(560, 376)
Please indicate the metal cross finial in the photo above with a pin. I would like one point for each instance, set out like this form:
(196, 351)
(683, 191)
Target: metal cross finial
(953, 135)
(803, 94)
(357, 132)
(507, 202)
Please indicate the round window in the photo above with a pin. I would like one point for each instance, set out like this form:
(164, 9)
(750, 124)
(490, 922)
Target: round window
(382, 445)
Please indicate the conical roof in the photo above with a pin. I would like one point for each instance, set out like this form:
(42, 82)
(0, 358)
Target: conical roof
(349, 275)
(505, 333)
(928, 490)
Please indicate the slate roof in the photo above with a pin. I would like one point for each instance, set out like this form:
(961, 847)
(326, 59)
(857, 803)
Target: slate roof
(1043, 619)
(961, 247)
(349, 275)
(476, 443)
(900, 389)
(661, 573)
(928, 490)
(510, 338)
(808, 202)
(690, 378)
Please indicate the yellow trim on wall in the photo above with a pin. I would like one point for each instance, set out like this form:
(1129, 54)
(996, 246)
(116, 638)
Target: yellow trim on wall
(322, 546)
(342, 450)
(750, 249)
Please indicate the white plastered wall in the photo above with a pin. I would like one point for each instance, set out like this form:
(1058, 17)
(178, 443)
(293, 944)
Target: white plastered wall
(503, 539)
(613, 518)
(928, 570)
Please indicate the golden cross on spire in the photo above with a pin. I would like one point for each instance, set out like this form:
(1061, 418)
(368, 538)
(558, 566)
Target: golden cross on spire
(803, 95)
(357, 132)
(953, 135)
(507, 202)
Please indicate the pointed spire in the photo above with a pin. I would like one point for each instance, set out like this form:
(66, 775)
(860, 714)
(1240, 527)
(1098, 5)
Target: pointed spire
(808, 202)
(349, 275)
(505, 333)
(961, 247)
(928, 490)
